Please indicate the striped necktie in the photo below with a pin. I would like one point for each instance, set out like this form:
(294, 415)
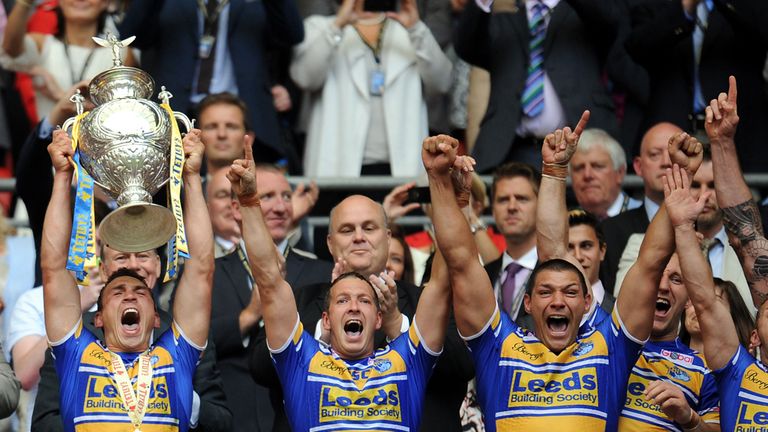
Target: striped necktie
(533, 94)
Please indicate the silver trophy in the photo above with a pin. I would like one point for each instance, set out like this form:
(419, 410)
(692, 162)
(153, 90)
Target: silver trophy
(125, 145)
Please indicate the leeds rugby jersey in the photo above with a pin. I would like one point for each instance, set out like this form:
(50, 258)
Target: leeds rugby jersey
(524, 386)
(90, 400)
(743, 387)
(676, 363)
(383, 392)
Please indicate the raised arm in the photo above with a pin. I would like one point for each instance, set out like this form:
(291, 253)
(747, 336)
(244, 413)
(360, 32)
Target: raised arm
(551, 212)
(192, 303)
(277, 302)
(16, 27)
(717, 328)
(740, 213)
(637, 299)
(434, 304)
(60, 293)
(473, 299)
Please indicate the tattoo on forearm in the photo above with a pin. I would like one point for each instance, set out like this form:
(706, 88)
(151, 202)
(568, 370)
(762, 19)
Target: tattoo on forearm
(743, 221)
(755, 258)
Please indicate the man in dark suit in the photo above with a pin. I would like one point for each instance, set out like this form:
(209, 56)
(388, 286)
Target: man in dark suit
(196, 48)
(236, 310)
(358, 240)
(650, 164)
(689, 48)
(578, 34)
(514, 196)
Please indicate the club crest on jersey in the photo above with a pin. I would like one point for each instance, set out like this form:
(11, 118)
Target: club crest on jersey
(154, 360)
(583, 348)
(679, 374)
(382, 365)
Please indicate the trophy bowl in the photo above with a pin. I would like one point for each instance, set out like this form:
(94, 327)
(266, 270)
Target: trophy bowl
(125, 146)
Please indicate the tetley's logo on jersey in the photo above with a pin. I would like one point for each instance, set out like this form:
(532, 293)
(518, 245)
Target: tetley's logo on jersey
(554, 389)
(382, 403)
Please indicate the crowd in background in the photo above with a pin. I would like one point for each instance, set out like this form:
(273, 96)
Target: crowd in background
(324, 88)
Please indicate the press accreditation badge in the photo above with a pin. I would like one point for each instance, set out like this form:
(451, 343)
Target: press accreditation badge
(206, 46)
(377, 82)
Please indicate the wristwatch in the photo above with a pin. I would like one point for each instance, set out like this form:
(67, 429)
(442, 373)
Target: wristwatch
(477, 226)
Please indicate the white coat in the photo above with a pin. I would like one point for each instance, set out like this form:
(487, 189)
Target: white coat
(332, 66)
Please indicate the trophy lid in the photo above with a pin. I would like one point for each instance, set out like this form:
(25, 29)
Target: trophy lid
(119, 81)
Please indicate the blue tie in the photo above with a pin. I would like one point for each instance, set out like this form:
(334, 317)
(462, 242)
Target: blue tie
(533, 94)
(702, 16)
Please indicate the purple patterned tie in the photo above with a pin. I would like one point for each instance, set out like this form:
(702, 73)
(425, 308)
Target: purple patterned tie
(508, 287)
(533, 93)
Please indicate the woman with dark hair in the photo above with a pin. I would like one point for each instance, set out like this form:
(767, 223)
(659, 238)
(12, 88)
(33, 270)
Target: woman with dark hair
(726, 291)
(400, 261)
(59, 61)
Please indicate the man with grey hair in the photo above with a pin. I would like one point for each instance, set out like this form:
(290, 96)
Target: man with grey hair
(597, 171)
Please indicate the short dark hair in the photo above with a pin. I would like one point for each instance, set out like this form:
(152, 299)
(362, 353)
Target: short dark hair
(556, 264)
(121, 272)
(224, 98)
(516, 169)
(349, 275)
(579, 216)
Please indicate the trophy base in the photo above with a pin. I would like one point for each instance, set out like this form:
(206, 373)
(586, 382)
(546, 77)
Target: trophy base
(137, 227)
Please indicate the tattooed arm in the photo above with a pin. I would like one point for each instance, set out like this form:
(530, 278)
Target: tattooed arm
(740, 213)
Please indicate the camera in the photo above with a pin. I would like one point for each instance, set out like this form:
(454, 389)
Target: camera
(379, 5)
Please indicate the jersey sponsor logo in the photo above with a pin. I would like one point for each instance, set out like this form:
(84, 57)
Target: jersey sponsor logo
(755, 379)
(678, 374)
(101, 395)
(752, 415)
(382, 403)
(636, 398)
(554, 389)
(382, 365)
(583, 348)
(677, 356)
(522, 349)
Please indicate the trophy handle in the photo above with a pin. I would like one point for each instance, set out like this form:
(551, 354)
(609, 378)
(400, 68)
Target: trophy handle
(183, 119)
(67, 126)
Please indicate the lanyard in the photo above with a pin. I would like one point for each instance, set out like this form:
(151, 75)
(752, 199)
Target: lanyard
(625, 204)
(209, 21)
(77, 79)
(135, 402)
(376, 50)
(244, 262)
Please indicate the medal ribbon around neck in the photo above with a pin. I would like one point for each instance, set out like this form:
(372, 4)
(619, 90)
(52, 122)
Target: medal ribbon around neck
(82, 245)
(135, 402)
(177, 245)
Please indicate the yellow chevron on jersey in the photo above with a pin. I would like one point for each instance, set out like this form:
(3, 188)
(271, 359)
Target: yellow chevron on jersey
(674, 362)
(324, 392)
(90, 401)
(522, 385)
(743, 387)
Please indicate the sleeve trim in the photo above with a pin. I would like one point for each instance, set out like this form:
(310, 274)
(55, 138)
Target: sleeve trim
(68, 335)
(288, 341)
(625, 331)
(485, 327)
(421, 341)
(186, 339)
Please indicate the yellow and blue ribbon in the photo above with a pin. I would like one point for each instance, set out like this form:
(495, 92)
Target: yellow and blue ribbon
(177, 245)
(82, 244)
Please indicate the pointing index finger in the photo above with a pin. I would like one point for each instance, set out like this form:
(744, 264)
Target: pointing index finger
(582, 122)
(248, 152)
(732, 91)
